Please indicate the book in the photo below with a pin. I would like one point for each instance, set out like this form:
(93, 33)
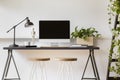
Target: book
(78, 45)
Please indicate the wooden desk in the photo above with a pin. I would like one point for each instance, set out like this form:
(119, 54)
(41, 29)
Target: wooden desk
(90, 57)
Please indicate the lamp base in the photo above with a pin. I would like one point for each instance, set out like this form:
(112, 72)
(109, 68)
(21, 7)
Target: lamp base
(13, 45)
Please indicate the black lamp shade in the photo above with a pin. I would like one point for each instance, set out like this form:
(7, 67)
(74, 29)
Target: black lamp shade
(28, 23)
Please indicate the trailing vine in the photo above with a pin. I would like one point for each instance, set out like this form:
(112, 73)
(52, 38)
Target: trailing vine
(114, 11)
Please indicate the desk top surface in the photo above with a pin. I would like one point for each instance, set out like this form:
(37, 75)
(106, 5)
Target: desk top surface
(50, 48)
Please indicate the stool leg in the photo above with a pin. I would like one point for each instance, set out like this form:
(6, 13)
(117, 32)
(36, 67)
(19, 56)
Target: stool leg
(33, 71)
(65, 71)
(42, 68)
(68, 71)
(70, 76)
(45, 74)
(60, 69)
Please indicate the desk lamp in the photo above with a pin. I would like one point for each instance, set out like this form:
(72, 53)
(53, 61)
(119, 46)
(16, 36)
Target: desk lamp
(27, 24)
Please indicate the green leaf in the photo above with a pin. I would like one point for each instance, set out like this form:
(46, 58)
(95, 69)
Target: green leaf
(84, 33)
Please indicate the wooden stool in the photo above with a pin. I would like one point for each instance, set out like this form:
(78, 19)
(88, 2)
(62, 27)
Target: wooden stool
(38, 71)
(65, 68)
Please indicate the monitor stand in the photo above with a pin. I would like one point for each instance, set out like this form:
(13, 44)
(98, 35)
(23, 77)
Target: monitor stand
(54, 43)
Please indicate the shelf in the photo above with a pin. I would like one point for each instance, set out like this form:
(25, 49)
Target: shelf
(17, 39)
(113, 78)
(114, 60)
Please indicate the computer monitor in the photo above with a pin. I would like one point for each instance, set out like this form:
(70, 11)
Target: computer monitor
(53, 32)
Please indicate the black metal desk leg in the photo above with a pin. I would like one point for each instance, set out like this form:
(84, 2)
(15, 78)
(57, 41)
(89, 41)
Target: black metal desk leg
(95, 70)
(15, 65)
(7, 65)
(85, 67)
(95, 66)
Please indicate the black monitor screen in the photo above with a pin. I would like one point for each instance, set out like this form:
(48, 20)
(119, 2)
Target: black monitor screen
(54, 29)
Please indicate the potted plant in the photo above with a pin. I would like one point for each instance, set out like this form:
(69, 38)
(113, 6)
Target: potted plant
(84, 35)
(114, 11)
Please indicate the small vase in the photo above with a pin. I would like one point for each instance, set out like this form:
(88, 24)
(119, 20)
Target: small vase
(33, 36)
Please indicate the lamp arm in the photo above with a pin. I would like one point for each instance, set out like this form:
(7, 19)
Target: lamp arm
(16, 25)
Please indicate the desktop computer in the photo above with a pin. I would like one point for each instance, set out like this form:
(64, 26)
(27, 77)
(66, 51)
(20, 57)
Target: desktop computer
(54, 33)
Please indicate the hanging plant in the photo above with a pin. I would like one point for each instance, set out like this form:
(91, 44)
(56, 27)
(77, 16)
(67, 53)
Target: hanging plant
(114, 11)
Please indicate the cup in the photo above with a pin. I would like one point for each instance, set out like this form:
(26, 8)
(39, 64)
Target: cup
(27, 43)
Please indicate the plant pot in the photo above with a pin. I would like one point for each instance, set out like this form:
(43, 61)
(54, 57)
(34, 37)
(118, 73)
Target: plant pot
(88, 41)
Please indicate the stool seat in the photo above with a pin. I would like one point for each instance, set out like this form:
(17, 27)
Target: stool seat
(66, 59)
(40, 59)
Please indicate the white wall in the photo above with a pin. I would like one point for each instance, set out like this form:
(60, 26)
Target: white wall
(84, 13)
